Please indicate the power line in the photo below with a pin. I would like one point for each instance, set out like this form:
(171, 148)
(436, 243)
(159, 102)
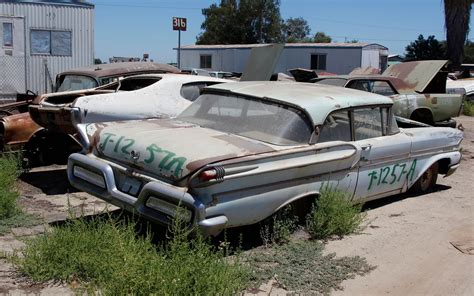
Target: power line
(147, 6)
(376, 25)
(372, 39)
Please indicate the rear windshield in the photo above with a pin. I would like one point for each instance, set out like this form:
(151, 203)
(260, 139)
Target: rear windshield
(75, 82)
(260, 120)
(332, 81)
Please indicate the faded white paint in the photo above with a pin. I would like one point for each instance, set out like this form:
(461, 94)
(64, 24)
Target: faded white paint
(252, 179)
(162, 99)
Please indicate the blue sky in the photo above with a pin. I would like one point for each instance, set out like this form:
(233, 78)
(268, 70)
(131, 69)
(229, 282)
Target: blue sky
(131, 28)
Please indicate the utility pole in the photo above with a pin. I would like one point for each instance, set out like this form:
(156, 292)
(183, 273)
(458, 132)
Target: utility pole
(179, 24)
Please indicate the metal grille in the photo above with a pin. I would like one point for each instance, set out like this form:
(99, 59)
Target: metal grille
(12, 77)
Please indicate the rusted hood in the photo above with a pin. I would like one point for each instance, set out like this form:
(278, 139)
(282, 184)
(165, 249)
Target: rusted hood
(417, 75)
(168, 148)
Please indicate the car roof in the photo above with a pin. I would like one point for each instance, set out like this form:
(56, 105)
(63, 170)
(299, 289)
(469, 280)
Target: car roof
(316, 99)
(125, 68)
(399, 84)
(185, 78)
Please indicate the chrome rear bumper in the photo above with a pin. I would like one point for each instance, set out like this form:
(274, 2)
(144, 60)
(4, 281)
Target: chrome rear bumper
(87, 178)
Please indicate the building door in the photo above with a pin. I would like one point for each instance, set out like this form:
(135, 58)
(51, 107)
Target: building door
(12, 57)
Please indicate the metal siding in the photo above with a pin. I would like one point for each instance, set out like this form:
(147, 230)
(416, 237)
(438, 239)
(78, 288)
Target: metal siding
(339, 60)
(79, 20)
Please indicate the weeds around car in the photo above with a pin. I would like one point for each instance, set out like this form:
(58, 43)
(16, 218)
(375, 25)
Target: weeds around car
(334, 214)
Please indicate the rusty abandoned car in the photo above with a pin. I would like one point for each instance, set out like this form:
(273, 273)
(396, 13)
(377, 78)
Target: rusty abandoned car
(134, 97)
(19, 132)
(242, 151)
(418, 90)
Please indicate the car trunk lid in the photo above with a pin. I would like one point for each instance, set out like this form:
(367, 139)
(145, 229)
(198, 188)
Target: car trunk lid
(169, 149)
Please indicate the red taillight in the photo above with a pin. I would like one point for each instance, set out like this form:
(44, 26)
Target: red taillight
(207, 175)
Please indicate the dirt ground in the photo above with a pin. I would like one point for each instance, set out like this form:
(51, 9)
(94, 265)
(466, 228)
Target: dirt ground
(421, 245)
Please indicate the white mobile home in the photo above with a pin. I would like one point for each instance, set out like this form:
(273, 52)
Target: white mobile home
(337, 58)
(39, 39)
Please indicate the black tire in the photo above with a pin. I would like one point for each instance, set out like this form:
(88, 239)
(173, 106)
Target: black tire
(427, 181)
(448, 123)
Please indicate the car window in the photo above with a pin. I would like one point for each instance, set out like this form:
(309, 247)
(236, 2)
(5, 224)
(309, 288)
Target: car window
(389, 121)
(382, 88)
(336, 127)
(332, 81)
(107, 80)
(75, 82)
(363, 85)
(257, 119)
(132, 83)
(367, 123)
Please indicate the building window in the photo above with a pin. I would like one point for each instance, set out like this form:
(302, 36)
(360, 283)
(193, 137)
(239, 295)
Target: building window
(318, 62)
(7, 34)
(206, 62)
(48, 42)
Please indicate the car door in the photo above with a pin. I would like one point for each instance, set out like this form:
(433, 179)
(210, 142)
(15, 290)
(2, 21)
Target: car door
(385, 162)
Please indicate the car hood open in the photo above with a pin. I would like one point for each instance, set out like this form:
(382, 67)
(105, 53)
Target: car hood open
(418, 75)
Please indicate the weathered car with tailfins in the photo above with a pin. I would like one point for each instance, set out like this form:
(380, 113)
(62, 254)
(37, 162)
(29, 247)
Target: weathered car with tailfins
(243, 151)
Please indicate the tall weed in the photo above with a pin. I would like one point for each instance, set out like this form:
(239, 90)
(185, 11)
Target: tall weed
(333, 214)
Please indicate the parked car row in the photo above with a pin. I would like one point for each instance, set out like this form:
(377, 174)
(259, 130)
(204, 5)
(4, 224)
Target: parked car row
(222, 154)
(418, 90)
(242, 151)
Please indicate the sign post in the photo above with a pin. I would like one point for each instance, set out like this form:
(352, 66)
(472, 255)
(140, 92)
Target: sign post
(179, 24)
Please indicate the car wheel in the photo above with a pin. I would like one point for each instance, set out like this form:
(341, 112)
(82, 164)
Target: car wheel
(427, 181)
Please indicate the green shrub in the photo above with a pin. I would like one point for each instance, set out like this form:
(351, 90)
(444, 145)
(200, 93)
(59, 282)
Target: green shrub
(304, 269)
(278, 228)
(9, 172)
(107, 257)
(333, 214)
(468, 108)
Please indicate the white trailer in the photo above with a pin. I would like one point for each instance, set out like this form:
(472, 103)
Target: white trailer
(39, 39)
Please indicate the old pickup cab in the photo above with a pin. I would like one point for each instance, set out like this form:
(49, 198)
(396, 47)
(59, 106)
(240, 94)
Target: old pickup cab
(242, 151)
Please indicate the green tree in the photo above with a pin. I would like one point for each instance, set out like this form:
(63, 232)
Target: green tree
(97, 61)
(295, 29)
(456, 15)
(425, 49)
(321, 37)
(469, 53)
(241, 22)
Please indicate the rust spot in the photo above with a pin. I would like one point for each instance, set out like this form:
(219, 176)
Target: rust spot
(245, 144)
(434, 100)
(18, 128)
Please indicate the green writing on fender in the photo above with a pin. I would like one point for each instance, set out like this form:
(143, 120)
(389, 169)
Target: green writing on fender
(391, 174)
(168, 161)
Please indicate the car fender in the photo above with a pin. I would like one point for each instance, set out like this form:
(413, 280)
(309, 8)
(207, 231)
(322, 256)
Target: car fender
(314, 193)
(453, 157)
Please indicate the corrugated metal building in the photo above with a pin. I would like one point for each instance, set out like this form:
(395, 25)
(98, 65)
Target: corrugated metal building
(338, 58)
(39, 39)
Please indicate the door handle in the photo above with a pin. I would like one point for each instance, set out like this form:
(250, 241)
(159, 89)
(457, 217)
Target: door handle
(365, 152)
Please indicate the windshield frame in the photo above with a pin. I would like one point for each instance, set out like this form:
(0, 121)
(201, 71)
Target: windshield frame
(295, 109)
(62, 77)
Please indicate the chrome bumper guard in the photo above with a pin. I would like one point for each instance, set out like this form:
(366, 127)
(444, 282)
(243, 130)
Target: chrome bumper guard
(156, 189)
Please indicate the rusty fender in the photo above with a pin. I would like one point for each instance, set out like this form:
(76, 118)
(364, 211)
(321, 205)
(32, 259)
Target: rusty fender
(17, 129)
